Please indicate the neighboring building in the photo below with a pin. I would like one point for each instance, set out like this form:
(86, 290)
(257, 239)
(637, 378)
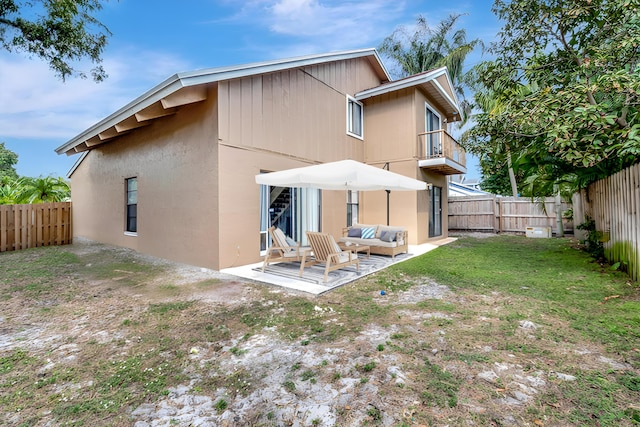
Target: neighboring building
(172, 174)
(457, 189)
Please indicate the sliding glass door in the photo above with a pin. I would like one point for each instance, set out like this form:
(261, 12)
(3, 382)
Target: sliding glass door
(432, 124)
(435, 214)
(293, 210)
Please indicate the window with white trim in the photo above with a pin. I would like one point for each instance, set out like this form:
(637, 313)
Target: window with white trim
(354, 117)
(131, 225)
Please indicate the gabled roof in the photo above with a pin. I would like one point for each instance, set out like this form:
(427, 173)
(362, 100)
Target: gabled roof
(428, 80)
(185, 88)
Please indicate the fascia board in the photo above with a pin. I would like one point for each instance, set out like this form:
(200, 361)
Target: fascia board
(77, 163)
(400, 84)
(446, 96)
(450, 83)
(210, 75)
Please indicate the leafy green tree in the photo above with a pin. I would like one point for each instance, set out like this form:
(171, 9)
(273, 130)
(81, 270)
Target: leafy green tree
(42, 190)
(428, 48)
(7, 161)
(61, 32)
(580, 121)
(490, 139)
(495, 176)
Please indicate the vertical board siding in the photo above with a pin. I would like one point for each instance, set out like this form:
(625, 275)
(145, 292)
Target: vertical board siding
(613, 203)
(30, 226)
(503, 214)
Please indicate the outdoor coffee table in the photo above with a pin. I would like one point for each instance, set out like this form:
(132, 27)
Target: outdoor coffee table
(355, 248)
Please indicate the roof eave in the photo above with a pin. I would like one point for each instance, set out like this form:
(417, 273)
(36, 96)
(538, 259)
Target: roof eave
(211, 75)
(227, 73)
(150, 97)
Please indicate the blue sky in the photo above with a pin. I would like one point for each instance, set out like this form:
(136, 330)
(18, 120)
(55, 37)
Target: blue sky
(154, 39)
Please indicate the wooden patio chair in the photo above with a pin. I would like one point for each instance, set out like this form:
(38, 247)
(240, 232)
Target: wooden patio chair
(282, 251)
(326, 250)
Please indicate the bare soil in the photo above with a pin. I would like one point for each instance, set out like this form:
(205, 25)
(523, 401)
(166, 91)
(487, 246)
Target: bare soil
(379, 372)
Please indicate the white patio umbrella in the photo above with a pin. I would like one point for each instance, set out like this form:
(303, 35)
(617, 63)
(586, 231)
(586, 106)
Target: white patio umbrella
(341, 175)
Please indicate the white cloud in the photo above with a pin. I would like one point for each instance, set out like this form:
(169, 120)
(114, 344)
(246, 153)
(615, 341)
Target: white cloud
(314, 26)
(334, 21)
(34, 103)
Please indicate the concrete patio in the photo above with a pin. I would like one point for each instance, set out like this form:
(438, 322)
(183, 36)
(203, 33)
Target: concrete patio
(285, 275)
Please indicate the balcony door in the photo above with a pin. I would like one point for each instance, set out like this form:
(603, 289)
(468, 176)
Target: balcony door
(433, 140)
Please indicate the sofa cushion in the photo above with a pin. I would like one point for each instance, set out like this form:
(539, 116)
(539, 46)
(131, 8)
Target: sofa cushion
(368, 233)
(388, 236)
(291, 242)
(346, 257)
(354, 232)
(382, 228)
(336, 248)
(368, 242)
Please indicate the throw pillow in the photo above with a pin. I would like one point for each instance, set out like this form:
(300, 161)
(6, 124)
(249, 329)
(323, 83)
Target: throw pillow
(368, 233)
(388, 236)
(354, 232)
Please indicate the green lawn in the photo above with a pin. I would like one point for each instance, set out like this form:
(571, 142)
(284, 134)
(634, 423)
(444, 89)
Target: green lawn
(131, 331)
(554, 275)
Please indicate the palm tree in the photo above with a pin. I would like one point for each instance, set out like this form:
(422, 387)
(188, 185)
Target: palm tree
(43, 190)
(8, 190)
(493, 102)
(429, 48)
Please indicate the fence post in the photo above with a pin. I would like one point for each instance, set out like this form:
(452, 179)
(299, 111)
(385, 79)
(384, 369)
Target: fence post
(499, 213)
(558, 206)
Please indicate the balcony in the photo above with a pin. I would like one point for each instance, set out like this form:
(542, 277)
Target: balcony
(440, 152)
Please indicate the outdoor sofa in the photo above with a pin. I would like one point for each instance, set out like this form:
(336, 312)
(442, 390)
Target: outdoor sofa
(382, 239)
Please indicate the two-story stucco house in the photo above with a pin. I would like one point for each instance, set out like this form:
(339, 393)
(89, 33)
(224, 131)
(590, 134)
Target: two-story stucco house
(172, 174)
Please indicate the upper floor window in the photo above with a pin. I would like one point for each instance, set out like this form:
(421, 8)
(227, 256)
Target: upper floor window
(354, 118)
(132, 205)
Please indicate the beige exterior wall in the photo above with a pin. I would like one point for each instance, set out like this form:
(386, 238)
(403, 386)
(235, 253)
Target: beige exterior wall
(280, 121)
(436, 179)
(392, 124)
(198, 201)
(294, 113)
(174, 160)
(240, 203)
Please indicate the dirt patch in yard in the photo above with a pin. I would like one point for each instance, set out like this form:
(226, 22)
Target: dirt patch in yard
(93, 334)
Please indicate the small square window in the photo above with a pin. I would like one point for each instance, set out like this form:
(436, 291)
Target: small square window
(354, 118)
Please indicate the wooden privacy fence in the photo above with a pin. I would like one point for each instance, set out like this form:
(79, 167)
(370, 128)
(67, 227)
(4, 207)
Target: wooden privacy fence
(495, 214)
(28, 226)
(614, 204)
